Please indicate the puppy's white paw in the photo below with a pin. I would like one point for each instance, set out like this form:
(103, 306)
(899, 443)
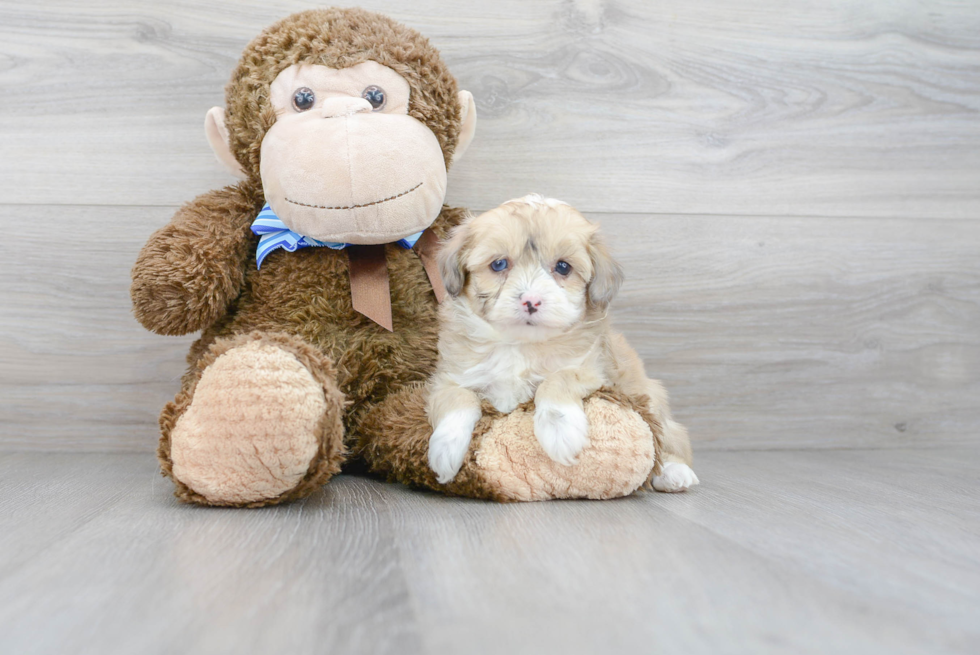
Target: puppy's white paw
(675, 477)
(562, 430)
(450, 441)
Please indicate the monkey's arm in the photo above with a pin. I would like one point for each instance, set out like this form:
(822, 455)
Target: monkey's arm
(192, 268)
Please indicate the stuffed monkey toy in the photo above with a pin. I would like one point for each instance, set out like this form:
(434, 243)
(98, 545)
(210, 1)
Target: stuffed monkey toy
(314, 285)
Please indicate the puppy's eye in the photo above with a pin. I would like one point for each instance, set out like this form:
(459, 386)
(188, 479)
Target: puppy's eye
(376, 96)
(563, 267)
(499, 265)
(303, 99)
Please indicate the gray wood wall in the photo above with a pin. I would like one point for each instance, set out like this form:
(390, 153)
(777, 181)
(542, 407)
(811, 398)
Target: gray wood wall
(793, 188)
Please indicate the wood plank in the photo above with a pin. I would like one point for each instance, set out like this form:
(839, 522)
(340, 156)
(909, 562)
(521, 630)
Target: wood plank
(781, 552)
(773, 570)
(914, 509)
(76, 364)
(45, 499)
(807, 333)
(148, 575)
(768, 332)
(846, 108)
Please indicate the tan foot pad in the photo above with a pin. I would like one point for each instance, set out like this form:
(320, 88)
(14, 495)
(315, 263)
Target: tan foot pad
(616, 463)
(250, 432)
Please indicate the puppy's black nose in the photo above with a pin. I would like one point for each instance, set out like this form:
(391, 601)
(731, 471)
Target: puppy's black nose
(530, 306)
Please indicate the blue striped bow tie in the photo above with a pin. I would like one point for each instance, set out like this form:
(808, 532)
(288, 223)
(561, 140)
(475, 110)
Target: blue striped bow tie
(274, 234)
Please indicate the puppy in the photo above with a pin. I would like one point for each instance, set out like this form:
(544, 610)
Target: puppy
(529, 284)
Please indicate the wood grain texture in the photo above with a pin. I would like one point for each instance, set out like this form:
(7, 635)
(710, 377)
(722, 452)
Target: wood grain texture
(831, 295)
(779, 552)
(843, 108)
(76, 364)
(186, 580)
(767, 332)
(797, 332)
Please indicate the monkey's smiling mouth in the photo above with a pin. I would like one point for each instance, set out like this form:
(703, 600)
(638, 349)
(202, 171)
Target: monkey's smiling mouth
(367, 204)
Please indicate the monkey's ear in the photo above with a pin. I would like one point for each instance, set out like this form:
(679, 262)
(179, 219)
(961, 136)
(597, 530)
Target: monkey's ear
(450, 264)
(467, 126)
(217, 133)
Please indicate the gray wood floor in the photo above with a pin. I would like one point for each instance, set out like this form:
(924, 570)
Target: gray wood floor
(836, 551)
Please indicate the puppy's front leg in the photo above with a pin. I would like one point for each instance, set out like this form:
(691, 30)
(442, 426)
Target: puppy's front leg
(453, 413)
(559, 420)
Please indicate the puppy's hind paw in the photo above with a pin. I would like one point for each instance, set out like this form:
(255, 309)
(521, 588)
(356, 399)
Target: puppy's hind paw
(450, 441)
(562, 430)
(675, 477)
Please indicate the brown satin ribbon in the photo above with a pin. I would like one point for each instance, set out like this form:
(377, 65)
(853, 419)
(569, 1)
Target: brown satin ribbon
(369, 290)
(427, 247)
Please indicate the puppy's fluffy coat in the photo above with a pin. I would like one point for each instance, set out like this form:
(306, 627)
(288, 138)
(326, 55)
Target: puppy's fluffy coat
(530, 283)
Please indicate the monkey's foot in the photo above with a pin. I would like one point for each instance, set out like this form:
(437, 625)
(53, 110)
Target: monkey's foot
(506, 462)
(257, 428)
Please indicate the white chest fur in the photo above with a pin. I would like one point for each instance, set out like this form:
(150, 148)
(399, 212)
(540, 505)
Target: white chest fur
(507, 376)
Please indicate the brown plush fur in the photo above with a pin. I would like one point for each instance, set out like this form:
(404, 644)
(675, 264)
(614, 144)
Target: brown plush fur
(199, 272)
(305, 294)
(191, 269)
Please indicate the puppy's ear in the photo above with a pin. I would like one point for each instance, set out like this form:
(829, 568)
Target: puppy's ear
(450, 262)
(607, 274)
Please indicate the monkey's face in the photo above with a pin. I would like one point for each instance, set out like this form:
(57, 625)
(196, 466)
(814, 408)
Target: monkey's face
(344, 161)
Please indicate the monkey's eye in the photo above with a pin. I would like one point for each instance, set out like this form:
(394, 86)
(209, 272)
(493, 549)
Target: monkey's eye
(499, 265)
(376, 96)
(563, 267)
(303, 99)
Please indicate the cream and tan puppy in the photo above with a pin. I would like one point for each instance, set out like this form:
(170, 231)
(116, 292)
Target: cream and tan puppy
(530, 283)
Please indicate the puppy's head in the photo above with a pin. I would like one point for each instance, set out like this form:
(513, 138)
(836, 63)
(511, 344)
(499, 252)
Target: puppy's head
(530, 267)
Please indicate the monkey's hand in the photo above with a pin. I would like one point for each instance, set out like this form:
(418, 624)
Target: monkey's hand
(192, 268)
